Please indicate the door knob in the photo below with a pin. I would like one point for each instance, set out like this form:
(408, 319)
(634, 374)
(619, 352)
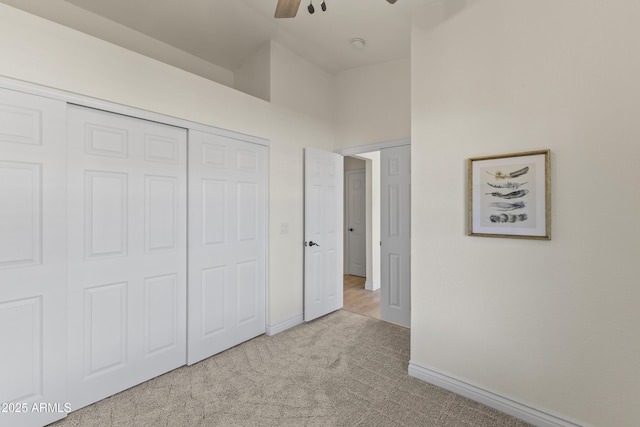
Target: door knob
(351, 229)
(312, 243)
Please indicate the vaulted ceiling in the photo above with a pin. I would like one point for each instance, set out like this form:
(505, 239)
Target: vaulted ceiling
(226, 32)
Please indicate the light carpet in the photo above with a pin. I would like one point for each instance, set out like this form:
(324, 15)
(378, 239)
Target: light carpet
(341, 370)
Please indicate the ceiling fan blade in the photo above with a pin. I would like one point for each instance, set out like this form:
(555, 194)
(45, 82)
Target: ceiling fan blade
(392, 1)
(287, 8)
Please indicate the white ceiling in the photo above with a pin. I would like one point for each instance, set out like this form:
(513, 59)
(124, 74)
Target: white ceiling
(226, 32)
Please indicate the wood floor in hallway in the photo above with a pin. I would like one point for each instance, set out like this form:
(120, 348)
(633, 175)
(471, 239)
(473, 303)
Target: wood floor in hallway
(358, 300)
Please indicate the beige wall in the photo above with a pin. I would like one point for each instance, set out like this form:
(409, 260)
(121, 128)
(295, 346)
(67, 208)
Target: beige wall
(298, 85)
(299, 117)
(254, 75)
(66, 13)
(550, 324)
(553, 324)
(39, 51)
(372, 104)
(352, 163)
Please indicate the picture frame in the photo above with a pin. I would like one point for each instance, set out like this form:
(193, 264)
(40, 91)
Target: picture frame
(510, 195)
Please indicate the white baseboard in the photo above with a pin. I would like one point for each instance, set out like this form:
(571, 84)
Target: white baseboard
(519, 410)
(284, 325)
(371, 286)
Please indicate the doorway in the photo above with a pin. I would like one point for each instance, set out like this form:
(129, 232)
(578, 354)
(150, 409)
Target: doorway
(387, 244)
(355, 213)
(387, 193)
(361, 228)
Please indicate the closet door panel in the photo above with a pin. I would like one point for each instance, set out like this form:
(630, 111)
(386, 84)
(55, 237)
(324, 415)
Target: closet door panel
(33, 307)
(127, 252)
(227, 243)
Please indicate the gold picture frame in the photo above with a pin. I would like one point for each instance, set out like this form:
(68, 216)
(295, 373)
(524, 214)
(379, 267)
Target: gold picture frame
(510, 195)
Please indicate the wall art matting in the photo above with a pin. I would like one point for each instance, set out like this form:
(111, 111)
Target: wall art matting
(510, 195)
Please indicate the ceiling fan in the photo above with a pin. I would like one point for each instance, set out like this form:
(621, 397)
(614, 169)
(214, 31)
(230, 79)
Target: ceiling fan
(289, 8)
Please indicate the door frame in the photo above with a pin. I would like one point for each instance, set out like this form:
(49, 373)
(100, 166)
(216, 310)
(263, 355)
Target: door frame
(372, 147)
(347, 210)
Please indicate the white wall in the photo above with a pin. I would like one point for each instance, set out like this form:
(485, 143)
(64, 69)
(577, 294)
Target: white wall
(372, 104)
(42, 52)
(553, 324)
(254, 75)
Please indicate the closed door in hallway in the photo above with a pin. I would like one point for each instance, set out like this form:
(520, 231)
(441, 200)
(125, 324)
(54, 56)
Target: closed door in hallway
(356, 223)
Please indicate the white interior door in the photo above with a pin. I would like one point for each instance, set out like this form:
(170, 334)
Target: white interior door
(127, 252)
(33, 259)
(356, 227)
(323, 218)
(395, 224)
(227, 243)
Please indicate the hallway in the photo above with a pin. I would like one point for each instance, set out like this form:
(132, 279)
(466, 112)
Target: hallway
(358, 300)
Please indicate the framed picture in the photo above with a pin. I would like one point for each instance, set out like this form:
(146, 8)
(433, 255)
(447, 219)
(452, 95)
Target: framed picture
(510, 195)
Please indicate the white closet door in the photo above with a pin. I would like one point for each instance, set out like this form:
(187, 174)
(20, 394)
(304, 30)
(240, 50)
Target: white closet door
(227, 243)
(33, 259)
(127, 252)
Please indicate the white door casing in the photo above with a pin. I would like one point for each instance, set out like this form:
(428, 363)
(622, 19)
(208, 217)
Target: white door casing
(356, 230)
(323, 217)
(33, 258)
(395, 224)
(227, 243)
(127, 252)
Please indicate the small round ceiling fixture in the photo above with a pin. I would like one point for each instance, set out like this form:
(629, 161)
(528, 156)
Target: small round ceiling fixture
(358, 43)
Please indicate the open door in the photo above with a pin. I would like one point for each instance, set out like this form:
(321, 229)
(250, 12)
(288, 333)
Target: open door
(323, 217)
(395, 232)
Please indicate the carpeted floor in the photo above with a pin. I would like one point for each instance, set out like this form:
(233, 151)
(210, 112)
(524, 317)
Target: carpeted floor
(341, 370)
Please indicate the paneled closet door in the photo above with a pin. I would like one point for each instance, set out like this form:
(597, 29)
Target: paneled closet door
(33, 259)
(395, 234)
(127, 252)
(227, 243)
